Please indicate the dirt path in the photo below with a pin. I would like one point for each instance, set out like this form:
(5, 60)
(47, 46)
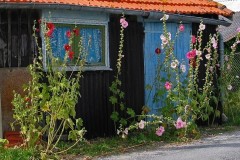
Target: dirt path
(220, 147)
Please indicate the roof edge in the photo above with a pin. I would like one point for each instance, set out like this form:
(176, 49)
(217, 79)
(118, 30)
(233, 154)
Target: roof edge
(148, 15)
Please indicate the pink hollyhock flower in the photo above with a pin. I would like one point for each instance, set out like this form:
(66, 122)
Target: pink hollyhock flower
(238, 29)
(180, 124)
(164, 39)
(68, 33)
(141, 124)
(168, 85)
(181, 28)
(191, 54)
(123, 22)
(214, 45)
(160, 130)
(193, 39)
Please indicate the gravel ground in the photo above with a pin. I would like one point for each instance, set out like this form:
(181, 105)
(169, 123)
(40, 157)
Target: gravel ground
(221, 147)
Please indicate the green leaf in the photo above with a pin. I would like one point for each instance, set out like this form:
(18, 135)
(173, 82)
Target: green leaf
(114, 116)
(121, 95)
(122, 107)
(79, 123)
(148, 87)
(113, 100)
(217, 113)
(123, 122)
(130, 112)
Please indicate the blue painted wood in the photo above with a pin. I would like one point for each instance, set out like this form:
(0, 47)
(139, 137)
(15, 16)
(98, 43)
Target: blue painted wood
(152, 60)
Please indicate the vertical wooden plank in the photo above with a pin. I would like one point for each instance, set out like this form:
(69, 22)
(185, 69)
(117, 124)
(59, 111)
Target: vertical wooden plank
(29, 28)
(9, 38)
(19, 39)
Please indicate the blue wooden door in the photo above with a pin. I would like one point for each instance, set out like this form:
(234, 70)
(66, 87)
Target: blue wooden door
(152, 60)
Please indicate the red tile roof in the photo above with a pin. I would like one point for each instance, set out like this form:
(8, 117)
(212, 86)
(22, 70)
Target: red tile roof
(169, 6)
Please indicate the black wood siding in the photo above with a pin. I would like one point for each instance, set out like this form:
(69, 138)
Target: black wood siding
(16, 42)
(94, 106)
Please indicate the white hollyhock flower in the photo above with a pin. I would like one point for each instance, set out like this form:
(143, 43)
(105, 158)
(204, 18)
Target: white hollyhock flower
(208, 56)
(229, 87)
(198, 53)
(202, 27)
(165, 17)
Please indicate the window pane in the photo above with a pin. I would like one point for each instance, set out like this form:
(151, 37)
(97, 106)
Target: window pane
(58, 40)
(92, 43)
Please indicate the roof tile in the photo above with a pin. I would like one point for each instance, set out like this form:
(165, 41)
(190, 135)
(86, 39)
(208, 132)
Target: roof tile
(171, 6)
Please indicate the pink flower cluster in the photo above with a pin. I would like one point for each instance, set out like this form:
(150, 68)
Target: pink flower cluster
(180, 124)
(141, 124)
(191, 54)
(168, 85)
(123, 22)
(181, 28)
(160, 130)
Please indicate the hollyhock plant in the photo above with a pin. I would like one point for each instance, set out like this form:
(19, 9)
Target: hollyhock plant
(141, 124)
(181, 28)
(160, 130)
(191, 54)
(180, 124)
(168, 85)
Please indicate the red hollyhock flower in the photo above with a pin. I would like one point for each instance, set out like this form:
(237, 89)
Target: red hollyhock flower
(50, 26)
(49, 33)
(157, 50)
(27, 99)
(68, 33)
(67, 47)
(70, 55)
(39, 21)
(76, 32)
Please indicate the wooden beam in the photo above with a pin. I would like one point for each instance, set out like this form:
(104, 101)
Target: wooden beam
(9, 39)
(19, 40)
